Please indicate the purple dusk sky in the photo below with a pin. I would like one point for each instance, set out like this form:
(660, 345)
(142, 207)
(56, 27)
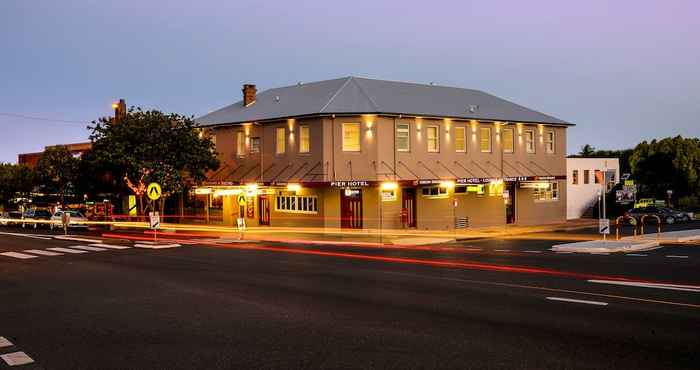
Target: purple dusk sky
(623, 71)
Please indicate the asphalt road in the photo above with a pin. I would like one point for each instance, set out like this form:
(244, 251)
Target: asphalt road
(483, 304)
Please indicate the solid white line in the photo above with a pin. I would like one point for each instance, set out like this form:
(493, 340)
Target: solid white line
(533, 251)
(86, 248)
(16, 358)
(26, 235)
(159, 246)
(4, 342)
(685, 288)
(597, 303)
(635, 255)
(674, 256)
(21, 256)
(66, 250)
(42, 252)
(77, 239)
(110, 246)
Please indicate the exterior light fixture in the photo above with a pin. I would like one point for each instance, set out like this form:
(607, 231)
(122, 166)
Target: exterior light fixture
(447, 184)
(389, 186)
(202, 191)
(224, 192)
(293, 187)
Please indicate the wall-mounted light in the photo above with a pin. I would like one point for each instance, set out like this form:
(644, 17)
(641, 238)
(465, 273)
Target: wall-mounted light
(202, 191)
(419, 123)
(223, 192)
(447, 184)
(389, 186)
(290, 123)
(293, 187)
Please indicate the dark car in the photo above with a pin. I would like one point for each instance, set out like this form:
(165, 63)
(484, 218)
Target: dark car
(666, 215)
(10, 217)
(36, 215)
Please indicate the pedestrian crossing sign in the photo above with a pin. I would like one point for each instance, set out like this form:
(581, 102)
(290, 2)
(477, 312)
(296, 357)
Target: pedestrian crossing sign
(153, 191)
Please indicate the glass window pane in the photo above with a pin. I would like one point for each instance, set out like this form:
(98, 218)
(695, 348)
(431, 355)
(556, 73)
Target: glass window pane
(304, 139)
(351, 137)
(280, 148)
(460, 139)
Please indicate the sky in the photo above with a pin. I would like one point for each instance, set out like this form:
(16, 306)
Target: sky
(622, 71)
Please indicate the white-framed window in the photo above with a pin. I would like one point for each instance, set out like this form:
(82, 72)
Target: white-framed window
(240, 143)
(290, 203)
(304, 139)
(507, 140)
(403, 137)
(351, 137)
(433, 139)
(549, 142)
(280, 140)
(434, 191)
(530, 141)
(460, 139)
(485, 139)
(547, 194)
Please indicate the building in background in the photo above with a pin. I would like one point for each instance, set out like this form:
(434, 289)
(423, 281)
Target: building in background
(365, 153)
(587, 178)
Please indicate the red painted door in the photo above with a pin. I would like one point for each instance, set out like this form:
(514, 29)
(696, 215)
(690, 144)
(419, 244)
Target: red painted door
(351, 209)
(263, 210)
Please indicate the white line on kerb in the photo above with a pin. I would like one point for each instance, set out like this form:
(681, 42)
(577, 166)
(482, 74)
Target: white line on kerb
(685, 288)
(596, 303)
(674, 256)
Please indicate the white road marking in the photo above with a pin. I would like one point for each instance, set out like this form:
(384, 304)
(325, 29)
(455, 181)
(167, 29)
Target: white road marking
(87, 248)
(685, 288)
(635, 255)
(596, 303)
(158, 246)
(533, 251)
(5, 343)
(42, 252)
(472, 249)
(77, 239)
(501, 250)
(21, 256)
(66, 250)
(674, 256)
(564, 252)
(16, 358)
(26, 235)
(110, 246)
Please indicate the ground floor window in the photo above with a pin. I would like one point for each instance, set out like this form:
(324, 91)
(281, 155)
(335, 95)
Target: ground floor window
(435, 191)
(296, 203)
(547, 193)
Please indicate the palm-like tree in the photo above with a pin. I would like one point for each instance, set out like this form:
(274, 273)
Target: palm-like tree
(587, 150)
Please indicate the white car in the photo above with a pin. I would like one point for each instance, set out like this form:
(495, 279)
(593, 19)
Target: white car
(76, 219)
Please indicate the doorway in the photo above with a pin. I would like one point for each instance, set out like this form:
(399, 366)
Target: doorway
(351, 208)
(263, 210)
(509, 199)
(408, 206)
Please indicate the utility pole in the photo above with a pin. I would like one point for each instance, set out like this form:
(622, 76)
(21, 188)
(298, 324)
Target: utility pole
(603, 191)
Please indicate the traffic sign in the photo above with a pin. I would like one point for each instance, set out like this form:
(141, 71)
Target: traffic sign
(154, 220)
(604, 226)
(153, 191)
(242, 200)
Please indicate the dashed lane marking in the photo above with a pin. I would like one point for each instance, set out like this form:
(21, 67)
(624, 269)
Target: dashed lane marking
(66, 250)
(88, 248)
(595, 303)
(16, 358)
(110, 246)
(674, 256)
(42, 252)
(4, 342)
(21, 256)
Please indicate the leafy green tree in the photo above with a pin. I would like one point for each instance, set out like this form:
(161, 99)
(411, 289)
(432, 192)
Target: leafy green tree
(57, 169)
(15, 181)
(587, 150)
(150, 146)
(667, 164)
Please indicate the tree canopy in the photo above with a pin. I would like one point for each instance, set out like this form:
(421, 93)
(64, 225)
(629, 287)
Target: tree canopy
(57, 169)
(15, 180)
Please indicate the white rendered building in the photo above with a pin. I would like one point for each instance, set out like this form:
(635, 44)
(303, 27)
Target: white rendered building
(583, 185)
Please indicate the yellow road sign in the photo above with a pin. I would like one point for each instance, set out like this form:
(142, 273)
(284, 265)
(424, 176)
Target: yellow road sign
(241, 199)
(153, 191)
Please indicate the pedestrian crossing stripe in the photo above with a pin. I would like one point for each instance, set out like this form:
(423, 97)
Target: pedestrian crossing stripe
(88, 248)
(66, 250)
(43, 252)
(22, 256)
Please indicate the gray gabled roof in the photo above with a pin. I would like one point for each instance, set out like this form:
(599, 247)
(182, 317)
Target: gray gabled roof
(356, 95)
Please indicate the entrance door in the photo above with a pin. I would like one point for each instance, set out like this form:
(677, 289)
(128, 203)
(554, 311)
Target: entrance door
(351, 209)
(263, 210)
(510, 202)
(408, 205)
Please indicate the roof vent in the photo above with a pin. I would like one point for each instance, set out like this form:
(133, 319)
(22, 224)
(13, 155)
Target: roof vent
(277, 98)
(473, 108)
(299, 83)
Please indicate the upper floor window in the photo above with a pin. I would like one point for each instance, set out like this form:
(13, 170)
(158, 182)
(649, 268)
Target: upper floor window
(530, 141)
(597, 176)
(255, 145)
(433, 139)
(403, 137)
(304, 139)
(351, 137)
(574, 177)
(586, 176)
(485, 139)
(280, 140)
(549, 142)
(460, 139)
(507, 140)
(240, 143)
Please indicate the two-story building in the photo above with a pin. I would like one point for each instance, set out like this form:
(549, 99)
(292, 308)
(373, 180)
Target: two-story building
(365, 153)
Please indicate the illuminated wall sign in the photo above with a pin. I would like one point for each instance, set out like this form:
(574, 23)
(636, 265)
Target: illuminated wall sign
(349, 184)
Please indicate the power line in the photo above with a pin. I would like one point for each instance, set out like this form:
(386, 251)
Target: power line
(41, 118)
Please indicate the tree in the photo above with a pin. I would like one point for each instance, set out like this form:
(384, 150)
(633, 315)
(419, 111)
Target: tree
(57, 169)
(150, 146)
(667, 164)
(15, 181)
(587, 150)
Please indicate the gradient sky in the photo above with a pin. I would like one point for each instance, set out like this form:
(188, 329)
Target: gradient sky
(623, 71)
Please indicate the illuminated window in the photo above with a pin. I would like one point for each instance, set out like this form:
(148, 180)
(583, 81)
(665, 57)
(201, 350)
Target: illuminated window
(304, 140)
(549, 193)
(530, 141)
(433, 139)
(574, 177)
(507, 140)
(240, 143)
(280, 147)
(460, 139)
(255, 145)
(351, 137)
(485, 139)
(286, 202)
(549, 142)
(597, 175)
(434, 191)
(403, 137)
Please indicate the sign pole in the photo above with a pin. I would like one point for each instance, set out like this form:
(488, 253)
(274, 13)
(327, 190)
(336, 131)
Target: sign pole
(603, 193)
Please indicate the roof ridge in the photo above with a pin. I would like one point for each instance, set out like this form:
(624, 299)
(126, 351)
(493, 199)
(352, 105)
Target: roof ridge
(335, 94)
(376, 108)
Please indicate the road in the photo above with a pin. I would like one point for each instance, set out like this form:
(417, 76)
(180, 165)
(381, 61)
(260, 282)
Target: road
(483, 304)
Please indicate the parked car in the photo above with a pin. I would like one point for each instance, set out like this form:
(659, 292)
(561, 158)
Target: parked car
(76, 219)
(34, 217)
(666, 215)
(11, 217)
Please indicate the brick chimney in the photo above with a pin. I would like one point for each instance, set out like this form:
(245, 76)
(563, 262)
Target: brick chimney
(249, 91)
